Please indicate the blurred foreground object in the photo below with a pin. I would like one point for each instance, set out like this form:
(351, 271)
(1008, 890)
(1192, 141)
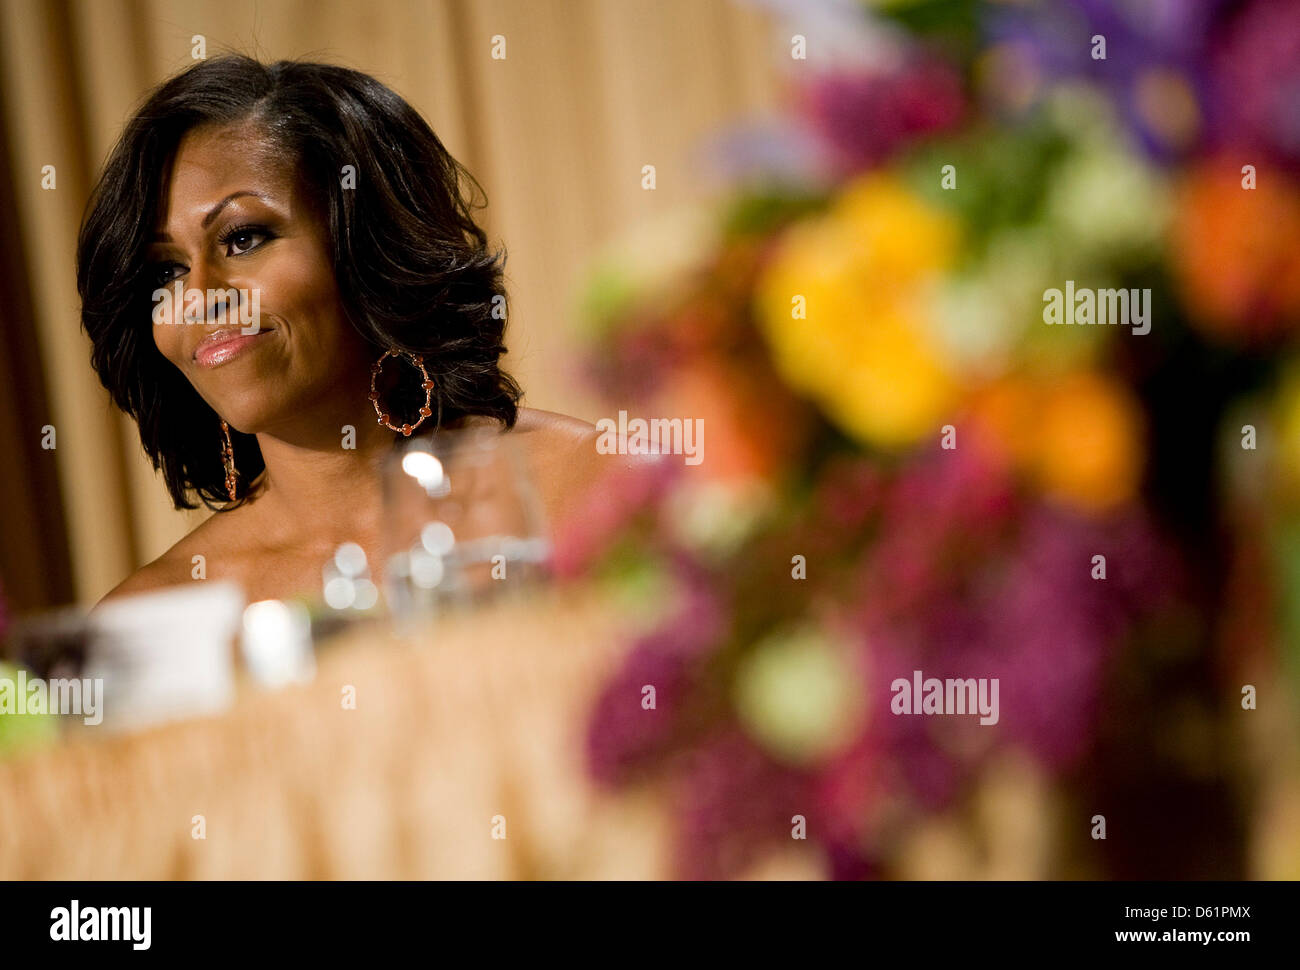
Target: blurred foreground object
(401, 759)
(131, 663)
(167, 654)
(463, 523)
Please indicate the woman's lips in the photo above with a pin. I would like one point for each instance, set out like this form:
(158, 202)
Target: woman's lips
(218, 348)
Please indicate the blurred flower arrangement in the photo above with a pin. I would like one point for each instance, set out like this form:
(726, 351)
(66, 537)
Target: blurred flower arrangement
(906, 469)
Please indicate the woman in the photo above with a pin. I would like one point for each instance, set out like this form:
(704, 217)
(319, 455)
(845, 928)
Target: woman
(261, 238)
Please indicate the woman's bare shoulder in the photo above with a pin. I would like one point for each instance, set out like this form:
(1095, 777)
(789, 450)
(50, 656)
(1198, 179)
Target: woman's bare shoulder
(535, 420)
(175, 566)
(567, 459)
(564, 439)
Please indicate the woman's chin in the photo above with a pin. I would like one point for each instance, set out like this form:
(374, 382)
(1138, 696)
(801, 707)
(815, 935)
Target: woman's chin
(255, 417)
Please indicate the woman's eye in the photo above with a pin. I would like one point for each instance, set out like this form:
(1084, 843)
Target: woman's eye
(243, 240)
(164, 273)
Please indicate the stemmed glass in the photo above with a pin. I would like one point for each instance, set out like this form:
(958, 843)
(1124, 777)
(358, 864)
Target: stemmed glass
(463, 522)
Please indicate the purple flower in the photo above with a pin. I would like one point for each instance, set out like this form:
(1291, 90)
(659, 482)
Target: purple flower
(864, 117)
(733, 801)
(1156, 58)
(1256, 102)
(625, 738)
(780, 152)
(957, 586)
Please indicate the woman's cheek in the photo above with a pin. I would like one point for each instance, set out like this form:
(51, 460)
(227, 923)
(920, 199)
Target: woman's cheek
(167, 340)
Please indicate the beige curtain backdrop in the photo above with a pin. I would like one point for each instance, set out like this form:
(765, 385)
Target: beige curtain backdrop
(556, 133)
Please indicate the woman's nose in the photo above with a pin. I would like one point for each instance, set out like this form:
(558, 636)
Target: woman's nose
(219, 300)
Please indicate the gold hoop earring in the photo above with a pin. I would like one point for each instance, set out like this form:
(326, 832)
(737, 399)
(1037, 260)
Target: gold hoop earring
(228, 459)
(426, 383)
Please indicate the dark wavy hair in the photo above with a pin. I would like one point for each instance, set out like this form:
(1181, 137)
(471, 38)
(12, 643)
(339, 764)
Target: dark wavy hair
(413, 268)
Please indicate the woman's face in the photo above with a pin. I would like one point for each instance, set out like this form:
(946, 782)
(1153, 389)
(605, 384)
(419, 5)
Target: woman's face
(236, 218)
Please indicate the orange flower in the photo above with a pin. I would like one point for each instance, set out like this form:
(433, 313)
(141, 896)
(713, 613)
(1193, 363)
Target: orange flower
(1089, 442)
(751, 428)
(1004, 419)
(1077, 438)
(1235, 251)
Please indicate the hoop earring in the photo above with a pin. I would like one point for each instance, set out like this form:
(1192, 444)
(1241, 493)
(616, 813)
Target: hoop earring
(426, 383)
(228, 459)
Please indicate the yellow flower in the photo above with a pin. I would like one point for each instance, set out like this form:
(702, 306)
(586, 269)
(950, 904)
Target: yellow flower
(864, 274)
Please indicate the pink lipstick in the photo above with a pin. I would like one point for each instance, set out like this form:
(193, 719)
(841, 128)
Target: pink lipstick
(223, 345)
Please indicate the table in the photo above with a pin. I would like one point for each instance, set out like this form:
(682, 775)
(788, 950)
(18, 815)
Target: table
(453, 736)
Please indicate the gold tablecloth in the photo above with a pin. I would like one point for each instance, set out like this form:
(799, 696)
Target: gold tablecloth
(452, 734)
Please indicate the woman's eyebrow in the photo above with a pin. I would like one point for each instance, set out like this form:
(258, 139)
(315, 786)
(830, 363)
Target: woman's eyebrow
(216, 209)
(162, 237)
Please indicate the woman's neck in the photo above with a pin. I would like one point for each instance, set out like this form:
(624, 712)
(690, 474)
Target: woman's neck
(323, 482)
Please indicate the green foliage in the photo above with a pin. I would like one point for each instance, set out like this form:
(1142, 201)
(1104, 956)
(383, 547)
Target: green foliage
(21, 732)
(953, 26)
(765, 211)
(1003, 175)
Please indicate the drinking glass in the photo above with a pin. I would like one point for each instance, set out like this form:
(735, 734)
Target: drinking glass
(463, 522)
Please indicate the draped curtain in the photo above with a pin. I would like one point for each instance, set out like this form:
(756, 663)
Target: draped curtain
(557, 133)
